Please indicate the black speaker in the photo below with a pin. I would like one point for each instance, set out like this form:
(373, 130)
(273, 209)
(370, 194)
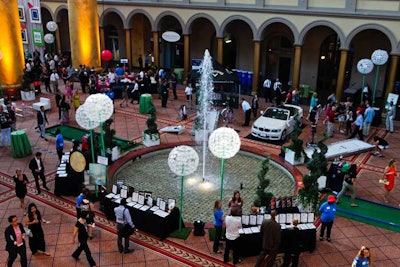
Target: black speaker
(198, 228)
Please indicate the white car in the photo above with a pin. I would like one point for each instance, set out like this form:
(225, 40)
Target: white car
(276, 123)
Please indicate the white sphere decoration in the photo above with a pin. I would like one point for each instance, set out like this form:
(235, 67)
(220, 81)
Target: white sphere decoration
(49, 38)
(83, 120)
(365, 66)
(379, 57)
(99, 107)
(51, 26)
(183, 160)
(224, 142)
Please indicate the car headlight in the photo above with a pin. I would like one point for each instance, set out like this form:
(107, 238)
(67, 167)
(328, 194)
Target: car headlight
(276, 130)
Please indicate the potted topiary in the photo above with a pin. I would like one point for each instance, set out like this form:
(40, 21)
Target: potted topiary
(263, 198)
(27, 93)
(294, 153)
(151, 136)
(112, 149)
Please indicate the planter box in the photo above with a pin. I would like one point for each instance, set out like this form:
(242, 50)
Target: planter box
(289, 157)
(115, 153)
(27, 96)
(150, 139)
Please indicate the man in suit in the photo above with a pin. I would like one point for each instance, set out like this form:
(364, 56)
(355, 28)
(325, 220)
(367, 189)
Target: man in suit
(15, 241)
(41, 122)
(37, 168)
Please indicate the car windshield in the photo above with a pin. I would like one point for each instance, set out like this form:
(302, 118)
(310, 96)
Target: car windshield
(277, 113)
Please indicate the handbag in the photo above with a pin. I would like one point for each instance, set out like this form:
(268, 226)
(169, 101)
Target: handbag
(28, 232)
(127, 230)
(383, 181)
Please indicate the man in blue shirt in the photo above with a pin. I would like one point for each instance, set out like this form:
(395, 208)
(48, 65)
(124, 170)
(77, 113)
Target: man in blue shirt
(59, 144)
(358, 126)
(368, 117)
(123, 217)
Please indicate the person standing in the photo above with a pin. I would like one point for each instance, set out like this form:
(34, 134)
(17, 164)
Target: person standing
(13, 118)
(172, 85)
(54, 80)
(140, 61)
(134, 87)
(15, 242)
(330, 120)
(64, 106)
(349, 119)
(236, 202)
(33, 220)
(37, 168)
(58, 104)
(76, 99)
(80, 231)
(59, 144)
(368, 117)
(233, 223)
(350, 178)
(20, 181)
(85, 194)
(164, 93)
(5, 127)
(358, 126)
(390, 115)
(363, 258)
(247, 111)
(123, 217)
(41, 122)
(267, 90)
(188, 93)
(327, 210)
(254, 105)
(218, 222)
(313, 104)
(271, 239)
(389, 174)
(293, 247)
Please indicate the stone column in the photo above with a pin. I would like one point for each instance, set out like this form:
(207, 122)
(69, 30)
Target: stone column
(256, 67)
(58, 38)
(186, 56)
(341, 74)
(12, 61)
(155, 49)
(128, 46)
(220, 50)
(394, 62)
(84, 32)
(296, 67)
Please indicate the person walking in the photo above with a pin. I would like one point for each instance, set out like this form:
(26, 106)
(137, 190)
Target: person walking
(41, 122)
(327, 210)
(267, 89)
(233, 223)
(271, 239)
(247, 111)
(20, 180)
(33, 220)
(172, 84)
(293, 248)
(358, 126)
(254, 105)
(363, 258)
(59, 144)
(87, 208)
(80, 231)
(389, 174)
(390, 115)
(134, 87)
(54, 81)
(368, 117)
(123, 217)
(85, 194)
(76, 99)
(15, 242)
(218, 222)
(350, 177)
(313, 104)
(37, 168)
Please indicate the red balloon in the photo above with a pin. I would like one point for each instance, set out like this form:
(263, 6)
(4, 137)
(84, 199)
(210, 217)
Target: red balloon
(106, 55)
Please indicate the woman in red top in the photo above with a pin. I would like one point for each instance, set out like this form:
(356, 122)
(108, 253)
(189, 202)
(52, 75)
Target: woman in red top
(389, 174)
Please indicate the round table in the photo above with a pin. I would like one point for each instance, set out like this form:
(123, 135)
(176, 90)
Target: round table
(145, 103)
(20, 146)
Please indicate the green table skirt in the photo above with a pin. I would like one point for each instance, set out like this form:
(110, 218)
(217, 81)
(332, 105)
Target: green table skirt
(145, 103)
(20, 146)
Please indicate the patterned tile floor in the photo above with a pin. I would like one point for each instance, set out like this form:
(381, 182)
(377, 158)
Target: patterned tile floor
(347, 235)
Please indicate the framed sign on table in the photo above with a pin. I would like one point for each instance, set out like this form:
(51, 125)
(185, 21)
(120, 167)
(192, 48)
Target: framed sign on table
(35, 15)
(21, 13)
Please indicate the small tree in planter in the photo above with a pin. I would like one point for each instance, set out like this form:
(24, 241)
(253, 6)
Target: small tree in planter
(27, 93)
(263, 198)
(309, 195)
(112, 149)
(294, 153)
(151, 136)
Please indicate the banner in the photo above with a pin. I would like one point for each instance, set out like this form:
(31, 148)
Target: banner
(37, 37)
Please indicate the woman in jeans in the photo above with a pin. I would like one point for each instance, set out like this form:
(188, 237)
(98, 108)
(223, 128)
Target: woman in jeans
(218, 222)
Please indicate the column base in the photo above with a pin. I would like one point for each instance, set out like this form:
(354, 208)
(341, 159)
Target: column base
(12, 91)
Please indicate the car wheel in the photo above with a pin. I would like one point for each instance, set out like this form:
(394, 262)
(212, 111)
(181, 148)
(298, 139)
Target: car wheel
(283, 136)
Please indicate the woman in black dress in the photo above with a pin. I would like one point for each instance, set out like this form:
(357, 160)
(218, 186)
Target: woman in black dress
(34, 222)
(20, 181)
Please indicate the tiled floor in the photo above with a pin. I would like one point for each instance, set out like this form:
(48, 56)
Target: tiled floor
(347, 235)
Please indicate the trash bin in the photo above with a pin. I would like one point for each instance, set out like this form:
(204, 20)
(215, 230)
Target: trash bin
(198, 228)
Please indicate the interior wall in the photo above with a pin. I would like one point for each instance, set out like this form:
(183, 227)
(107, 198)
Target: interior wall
(202, 32)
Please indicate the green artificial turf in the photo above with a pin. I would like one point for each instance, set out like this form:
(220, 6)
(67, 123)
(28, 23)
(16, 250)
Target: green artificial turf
(183, 234)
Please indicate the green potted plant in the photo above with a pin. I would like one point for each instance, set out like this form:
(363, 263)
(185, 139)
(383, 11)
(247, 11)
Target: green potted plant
(151, 136)
(294, 153)
(263, 198)
(27, 92)
(112, 149)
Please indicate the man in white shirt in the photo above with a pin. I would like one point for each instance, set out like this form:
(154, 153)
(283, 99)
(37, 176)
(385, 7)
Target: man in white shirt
(247, 111)
(54, 80)
(233, 223)
(267, 89)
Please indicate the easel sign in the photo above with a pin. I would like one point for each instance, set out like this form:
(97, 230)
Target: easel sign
(391, 97)
(102, 160)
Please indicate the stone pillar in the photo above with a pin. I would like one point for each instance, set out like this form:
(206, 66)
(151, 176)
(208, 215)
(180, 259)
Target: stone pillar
(186, 56)
(102, 39)
(341, 74)
(394, 62)
(128, 46)
(58, 38)
(155, 49)
(256, 67)
(12, 61)
(84, 32)
(220, 50)
(296, 67)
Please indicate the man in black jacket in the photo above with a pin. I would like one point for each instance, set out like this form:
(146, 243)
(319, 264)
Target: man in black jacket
(37, 168)
(41, 122)
(15, 242)
(292, 249)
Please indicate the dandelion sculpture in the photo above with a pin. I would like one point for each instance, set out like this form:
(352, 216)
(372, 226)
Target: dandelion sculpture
(379, 57)
(224, 143)
(183, 160)
(364, 66)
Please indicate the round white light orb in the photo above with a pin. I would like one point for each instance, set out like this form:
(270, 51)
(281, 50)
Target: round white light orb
(51, 26)
(99, 107)
(224, 142)
(49, 38)
(83, 120)
(365, 66)
(379, 57)
(183, 160)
